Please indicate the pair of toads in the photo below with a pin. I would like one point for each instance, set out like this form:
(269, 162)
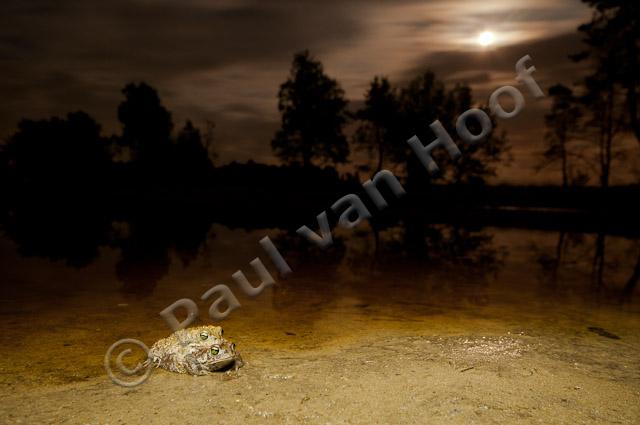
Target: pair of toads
(199, 350)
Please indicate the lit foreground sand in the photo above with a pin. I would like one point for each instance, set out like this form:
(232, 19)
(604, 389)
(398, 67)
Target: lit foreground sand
(387, 379)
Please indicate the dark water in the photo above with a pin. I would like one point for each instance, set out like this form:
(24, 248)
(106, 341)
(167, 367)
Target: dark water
(65, 301)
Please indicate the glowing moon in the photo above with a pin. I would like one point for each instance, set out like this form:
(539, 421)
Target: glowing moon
(486, 38)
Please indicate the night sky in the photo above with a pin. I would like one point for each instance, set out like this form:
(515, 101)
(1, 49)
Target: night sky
(224, 60)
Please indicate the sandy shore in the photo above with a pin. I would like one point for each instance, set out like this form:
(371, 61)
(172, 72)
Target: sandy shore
(511, 378)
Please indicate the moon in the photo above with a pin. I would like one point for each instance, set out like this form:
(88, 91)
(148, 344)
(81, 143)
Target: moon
(486, 38)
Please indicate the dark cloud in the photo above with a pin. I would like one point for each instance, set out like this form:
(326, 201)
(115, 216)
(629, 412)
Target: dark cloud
(57, 55)
(165, 37)
(527, 14)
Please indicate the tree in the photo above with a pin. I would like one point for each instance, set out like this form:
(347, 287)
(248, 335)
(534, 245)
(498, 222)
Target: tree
(208, 140)
(478, 161)
(312, 107)
(426, 99)
(609, 91)
(191, 156)
(377, 119)
(562, 126)
(604, 120)
(613, 40)
(57, 170)
(57, 153)
(146, 127)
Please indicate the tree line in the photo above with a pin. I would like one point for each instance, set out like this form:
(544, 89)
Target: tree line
(601, 108)
(71, 151)
(314, 115)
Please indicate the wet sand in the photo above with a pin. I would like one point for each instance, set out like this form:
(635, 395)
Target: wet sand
(388, 379)
(334, 343)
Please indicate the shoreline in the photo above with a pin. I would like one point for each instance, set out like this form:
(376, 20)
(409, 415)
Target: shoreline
(389, 379)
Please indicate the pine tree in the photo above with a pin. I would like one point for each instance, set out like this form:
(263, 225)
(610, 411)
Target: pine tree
(313, 112)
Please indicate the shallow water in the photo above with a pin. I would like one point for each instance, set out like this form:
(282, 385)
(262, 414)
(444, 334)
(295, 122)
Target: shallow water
(58, 321)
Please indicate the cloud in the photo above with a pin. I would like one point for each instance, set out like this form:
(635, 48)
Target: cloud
(551, 56)
(63, 55)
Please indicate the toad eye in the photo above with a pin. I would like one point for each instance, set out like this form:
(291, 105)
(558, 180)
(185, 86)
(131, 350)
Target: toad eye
(215, 350)
(204, 335)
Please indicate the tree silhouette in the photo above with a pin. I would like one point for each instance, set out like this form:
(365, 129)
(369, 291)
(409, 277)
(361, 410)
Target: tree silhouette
(208, 141)
(562, 126)
(58, 154)
(57, 169)
(426, 99)
(607, 94)
(604, 120)
(613, 40)
(312, 106)
(147, 134)
(146, 128)
(377, 119)
(478, 161)
(191, 157)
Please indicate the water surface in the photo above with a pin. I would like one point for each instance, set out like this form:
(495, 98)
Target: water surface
(59, 320)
